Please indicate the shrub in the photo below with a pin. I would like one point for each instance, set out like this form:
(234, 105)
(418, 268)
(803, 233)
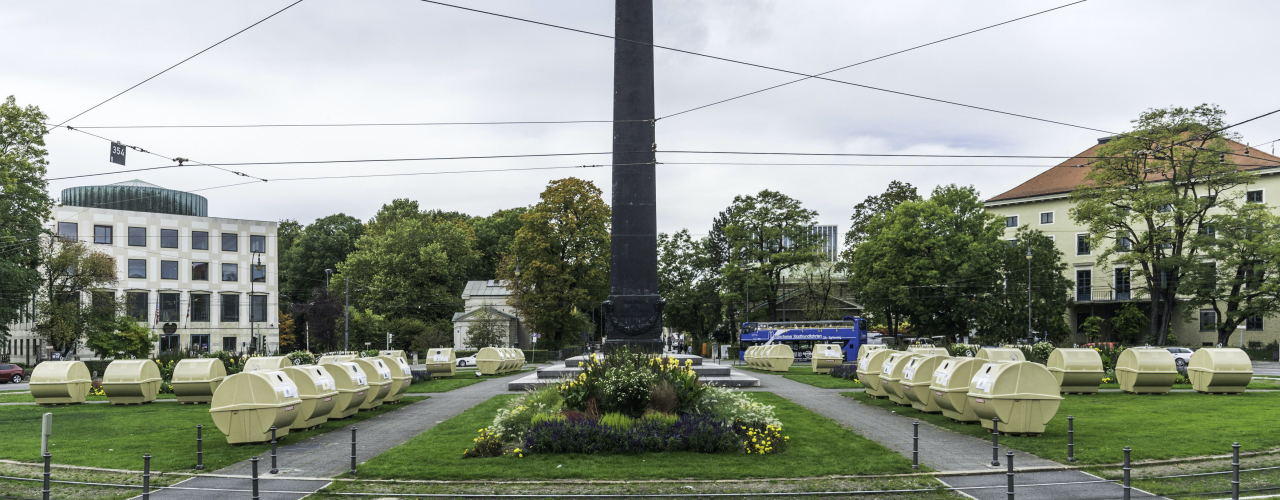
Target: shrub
(963, 350)
(371, 353)
(662, 398)
(301, 358)
(688, 433)
(487, 445)
(421, 376)
(234, 364)
(617, 421)
(762, 440)
(847, 371)
(663, 418)
(736, 408)
(625, 389)
(511, 423)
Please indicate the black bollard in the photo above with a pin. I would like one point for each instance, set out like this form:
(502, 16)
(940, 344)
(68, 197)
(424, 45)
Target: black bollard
(45, 493)
(1127, 487)
(1008, 458)
(274, 469)
(1071, 438)
(146, 476)
(254, 461)
(353, 450)
(199, 446)
(915, 445)
(995, 441)
(1235, 471)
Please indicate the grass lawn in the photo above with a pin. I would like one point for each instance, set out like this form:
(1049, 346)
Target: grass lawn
(818, 446)
(31, 489)
(445, 384)
(1256, 384)
(101, 435)
(1151, 477)
(1176, 425)
(804, 374)
(25, 397)
(693, 487)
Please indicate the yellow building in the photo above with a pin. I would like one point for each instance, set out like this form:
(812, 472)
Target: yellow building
(1042, 203)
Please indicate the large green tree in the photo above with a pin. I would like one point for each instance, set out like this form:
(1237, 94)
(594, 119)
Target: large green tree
(1148, 194)
(768, 234)
(561, 253)
(487, 329)
(494, 236)
(1003, 318)
(24, 206)
(869, 208)
(69, 270)
(689, 280)
(1241, 278)
(319, 246)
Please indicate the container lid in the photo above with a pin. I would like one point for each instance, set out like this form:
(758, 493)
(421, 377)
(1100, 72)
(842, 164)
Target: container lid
(1001, 354)
(954, 374)
(1014, 380)
(873, 361)
(1075, 360)
(60, 372)
(255, 390)
(346, 375)
(131, 371)
(266, 363)
(311, 381)
(199, 370)
(1221, 360)
(1146, 360)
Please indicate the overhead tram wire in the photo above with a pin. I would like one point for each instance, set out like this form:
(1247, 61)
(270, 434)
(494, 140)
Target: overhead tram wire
(329, 125)
(180, 161)
(771, 68)
(179, 63)
(935, 42)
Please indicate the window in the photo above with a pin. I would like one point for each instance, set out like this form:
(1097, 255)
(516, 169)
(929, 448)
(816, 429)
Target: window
(199, 271)
(1084, 285)
(138, 268)
(169, 306)
(1046, 217)
(68, 230)
(137, 236)
(230, 307)
(1254, 196)
(258, 308)
(258, 244)
(1208, 321)
(1082, 244)
(1123, 243)
(102, 235)
(230, 242)
(258, 273)
(1253, 323)
(168, 269)
(136, 305)
(1208, 230)
(230, 272)
(169, 343)
(103, 301)
(1251, 278)
(1011, 221)
(199, 240)
(200, 342)
(229, 344)
(1165, 209)
(200, 307)
(1124, 284)
(168, 238)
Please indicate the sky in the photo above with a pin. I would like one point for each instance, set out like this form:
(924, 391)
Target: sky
(1096, 64)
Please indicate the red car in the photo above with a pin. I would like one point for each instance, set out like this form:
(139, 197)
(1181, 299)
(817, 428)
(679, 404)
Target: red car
(10, 373)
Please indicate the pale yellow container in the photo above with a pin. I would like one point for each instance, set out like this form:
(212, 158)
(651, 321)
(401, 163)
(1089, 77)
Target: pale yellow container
(266, 363)
(380, 381)
(916, 379)
(337, 357)
(751, 356)
(442, 361)
(1077, 370)
(870, 365)
(247, 404)
(891, 376)
(825, 357)
(1226, 370)
(928, 349)
(950, 386)
(60, 382)
(490, 361)
(196, 379)
(401, 378)
(1146, 370)
(1024, 395)
(353, 388)
(318, 393)
(131, 381)
(779, 358)
(1000, 354)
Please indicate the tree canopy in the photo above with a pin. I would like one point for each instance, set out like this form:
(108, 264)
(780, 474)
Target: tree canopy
(768, 234)
(24, 206)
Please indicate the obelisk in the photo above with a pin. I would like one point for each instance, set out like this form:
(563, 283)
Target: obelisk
(633, 311)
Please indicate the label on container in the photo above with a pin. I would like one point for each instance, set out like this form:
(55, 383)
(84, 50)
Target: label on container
(289, 392)
(942, 377)
(863, 365)
(440, 357)
(908, 373)
(360, 380)
(887, 367)
(982, 383)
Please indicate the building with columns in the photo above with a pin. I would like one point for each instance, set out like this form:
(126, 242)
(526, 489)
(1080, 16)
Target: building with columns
(200, 283)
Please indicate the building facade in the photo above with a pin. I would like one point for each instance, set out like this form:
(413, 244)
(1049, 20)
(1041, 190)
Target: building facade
(1043, 204)
(830, 246)
(494, 296)
(200, 283)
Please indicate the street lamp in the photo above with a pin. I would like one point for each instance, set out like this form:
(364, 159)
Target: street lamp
(253, 268)
(1029, 330)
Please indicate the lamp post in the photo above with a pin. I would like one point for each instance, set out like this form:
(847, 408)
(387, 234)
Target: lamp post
(1029, 330)
(253, 268)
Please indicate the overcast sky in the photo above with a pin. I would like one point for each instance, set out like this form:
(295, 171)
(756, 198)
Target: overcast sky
(1096, 64)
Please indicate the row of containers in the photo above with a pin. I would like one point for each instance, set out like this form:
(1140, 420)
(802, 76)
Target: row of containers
(1000, 382)
(779, 357)
(489, 361)
(270, 392)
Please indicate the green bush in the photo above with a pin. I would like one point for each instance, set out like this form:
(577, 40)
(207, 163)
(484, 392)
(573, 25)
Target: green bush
(301, 358)
(666, 419)
(963, 350)
(617, 421)
(96, 367)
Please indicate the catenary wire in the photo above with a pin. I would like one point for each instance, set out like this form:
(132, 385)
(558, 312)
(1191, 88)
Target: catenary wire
(391, 124)
(180, 161)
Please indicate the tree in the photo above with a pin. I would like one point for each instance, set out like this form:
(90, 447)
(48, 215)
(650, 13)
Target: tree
(1128, 324)
(366, 326)
(1004, 315)
(494, 236)
(874, 205)
(768, 234)
(1149, 192)
(323, 317)
(425, 335)
(69, 269)
(319, 246)
(929, 262)
(287, 233)
(716, 254)
(121, 337)
(487, 329)
(817, 291)
(1092, 328)
(689, 280)
(24, 206)
(1241, 278)
(562, 254)
(288, 329)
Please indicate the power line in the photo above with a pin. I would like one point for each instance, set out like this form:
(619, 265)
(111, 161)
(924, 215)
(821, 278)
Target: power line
(766, 89)
(181, 161)
(771, 68)
(179, 63)
(852, 164)
(393, 124)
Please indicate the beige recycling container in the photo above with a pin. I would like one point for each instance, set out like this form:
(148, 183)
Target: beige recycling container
(266, 363)
(511, 362)
(401, 378)
(247, 404)
(490, 361)
(353, 388)
(318, 393)
(519, 358)
(950, 387)
(780, 358)
(131, 381)
(1225, 370)
(195, 379)
(337, 357)
(1146, 370)
(1077, 370)
(442, 361)
(60, 382)
(891, 376)
(1023, 394)
(870, 363)
(749, 356)
(394, 353)
(1000, 354)
(928, 349)
(826, 356)
(380, 381)
(916, 379)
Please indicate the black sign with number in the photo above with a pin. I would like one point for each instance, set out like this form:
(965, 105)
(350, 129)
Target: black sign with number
(117, 153)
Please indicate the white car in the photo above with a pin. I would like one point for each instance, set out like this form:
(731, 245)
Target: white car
(467, 361)
(1181, 356)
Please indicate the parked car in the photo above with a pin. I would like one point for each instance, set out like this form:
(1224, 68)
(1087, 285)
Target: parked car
(11, 373)
(1181, 356)
(467, 361)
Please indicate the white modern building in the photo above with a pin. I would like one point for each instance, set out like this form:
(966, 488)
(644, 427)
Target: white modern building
(494, 296)
(830, 244)
(200, 283)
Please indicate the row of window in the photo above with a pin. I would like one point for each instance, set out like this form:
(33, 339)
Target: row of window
(199, 271)
(200, 343)
(169, 310)
(1254, 196)
(1209, 321)
(104, 235)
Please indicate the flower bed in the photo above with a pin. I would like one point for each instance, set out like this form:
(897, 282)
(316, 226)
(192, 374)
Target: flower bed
(631, 403)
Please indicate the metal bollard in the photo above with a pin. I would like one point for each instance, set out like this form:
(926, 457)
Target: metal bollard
(995, 441)
(254, 461)
(1008, 458)
(199, 446)
(146, 476)
(915, 445)
(1071, 438)
(274, 469)
(1127, 487)
(353, 450)
(1235, 471)
(45, 493)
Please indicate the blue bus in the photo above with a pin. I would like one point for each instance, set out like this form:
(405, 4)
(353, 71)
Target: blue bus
(850, 333)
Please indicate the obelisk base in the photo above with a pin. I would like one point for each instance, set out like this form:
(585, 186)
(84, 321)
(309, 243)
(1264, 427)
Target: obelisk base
(634, 321)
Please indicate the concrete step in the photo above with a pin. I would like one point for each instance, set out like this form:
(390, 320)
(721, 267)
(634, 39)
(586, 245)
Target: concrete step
(560, 372)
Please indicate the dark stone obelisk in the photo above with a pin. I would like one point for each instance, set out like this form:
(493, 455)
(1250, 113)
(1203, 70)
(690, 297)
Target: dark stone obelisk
(633, 311)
